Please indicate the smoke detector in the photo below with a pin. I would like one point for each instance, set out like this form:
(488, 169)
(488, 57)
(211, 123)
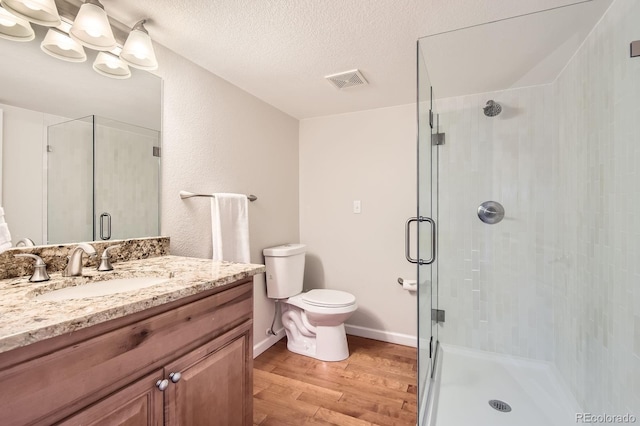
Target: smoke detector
(347, 79)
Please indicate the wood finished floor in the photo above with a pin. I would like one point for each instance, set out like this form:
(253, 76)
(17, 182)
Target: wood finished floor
(376, 385)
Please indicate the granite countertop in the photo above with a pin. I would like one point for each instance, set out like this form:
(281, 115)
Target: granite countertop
(25, 319)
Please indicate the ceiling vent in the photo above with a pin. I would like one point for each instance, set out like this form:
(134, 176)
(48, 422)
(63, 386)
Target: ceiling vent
(347, 79)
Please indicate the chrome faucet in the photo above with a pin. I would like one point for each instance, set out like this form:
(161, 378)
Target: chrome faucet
(74, 267)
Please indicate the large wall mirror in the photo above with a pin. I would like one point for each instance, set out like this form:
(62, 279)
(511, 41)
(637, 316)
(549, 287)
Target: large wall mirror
(80, 151)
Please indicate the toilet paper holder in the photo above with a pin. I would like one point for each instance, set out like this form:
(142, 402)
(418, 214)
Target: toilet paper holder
(410, 285)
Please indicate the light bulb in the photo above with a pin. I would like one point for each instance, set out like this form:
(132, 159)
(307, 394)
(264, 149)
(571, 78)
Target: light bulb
(93, 32)
(7, 22)
(112, 64)
(138, 49)
(65, 44)
(32, 6)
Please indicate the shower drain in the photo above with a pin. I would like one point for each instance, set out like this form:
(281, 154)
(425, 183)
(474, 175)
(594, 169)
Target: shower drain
(500, 405)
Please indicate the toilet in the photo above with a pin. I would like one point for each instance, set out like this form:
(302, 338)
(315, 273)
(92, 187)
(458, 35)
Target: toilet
(313, 321)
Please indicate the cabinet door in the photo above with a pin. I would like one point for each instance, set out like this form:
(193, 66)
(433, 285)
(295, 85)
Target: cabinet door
(214, 389)
(139, 404)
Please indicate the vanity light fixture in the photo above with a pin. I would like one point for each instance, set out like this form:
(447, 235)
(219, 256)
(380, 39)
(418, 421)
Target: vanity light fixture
(91, 27)
(138, 49)
(15, 28)
(110, 65)
(58, 44)
(41, 12)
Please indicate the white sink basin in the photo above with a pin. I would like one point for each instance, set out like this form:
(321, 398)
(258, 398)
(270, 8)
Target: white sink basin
(101, 288)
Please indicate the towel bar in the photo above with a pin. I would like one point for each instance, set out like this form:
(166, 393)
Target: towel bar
(187, 194)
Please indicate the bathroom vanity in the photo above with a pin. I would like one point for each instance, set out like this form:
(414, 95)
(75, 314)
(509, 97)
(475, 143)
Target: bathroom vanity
(178, 352)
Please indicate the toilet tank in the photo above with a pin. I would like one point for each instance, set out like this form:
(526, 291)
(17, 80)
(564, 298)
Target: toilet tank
(285, 270)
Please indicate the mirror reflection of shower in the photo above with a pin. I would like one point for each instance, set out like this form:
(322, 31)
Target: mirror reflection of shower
(492, 108)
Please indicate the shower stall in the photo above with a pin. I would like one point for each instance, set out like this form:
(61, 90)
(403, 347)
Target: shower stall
(528, 219)
(103, 181)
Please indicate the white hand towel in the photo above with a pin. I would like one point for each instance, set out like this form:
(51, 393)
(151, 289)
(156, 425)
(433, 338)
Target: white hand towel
(5, 235)
(230, 227)
(2, 215)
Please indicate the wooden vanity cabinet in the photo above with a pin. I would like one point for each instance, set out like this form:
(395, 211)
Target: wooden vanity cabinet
(185, 363)
(212, 388)
(139, 403)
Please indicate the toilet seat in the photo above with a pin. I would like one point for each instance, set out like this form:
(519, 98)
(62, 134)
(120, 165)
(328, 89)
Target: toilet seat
(326, 298)
(324, 301)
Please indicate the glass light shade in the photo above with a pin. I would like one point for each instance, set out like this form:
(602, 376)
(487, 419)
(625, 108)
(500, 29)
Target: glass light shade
(41, 12)
(110, 65)
(138, 50)
(91, 27)
(61, 46)
(14, 28)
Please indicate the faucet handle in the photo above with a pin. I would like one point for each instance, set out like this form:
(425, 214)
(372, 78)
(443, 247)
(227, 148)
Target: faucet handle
(105, 263)
(25, 242)
(40, 268)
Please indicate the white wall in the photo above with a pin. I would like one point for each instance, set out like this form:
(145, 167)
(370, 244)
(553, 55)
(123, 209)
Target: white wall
(218, 138)
(597, 274)
(367, 156)
(24, 141)
(495, 280)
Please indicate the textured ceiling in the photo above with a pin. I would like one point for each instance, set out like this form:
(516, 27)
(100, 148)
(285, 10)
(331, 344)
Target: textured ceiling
(280, 50)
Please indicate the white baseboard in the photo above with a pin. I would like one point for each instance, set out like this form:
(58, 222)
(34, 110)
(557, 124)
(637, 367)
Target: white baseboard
(384, 336)
(369, 333)
(267, 342)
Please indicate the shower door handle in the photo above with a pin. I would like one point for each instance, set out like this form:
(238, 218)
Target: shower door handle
(104, 216)
(407, 240)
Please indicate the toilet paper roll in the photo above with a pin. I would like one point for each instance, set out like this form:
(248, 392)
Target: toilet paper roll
(410, 285)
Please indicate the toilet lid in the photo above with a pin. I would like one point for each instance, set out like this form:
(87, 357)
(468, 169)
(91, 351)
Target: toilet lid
(328, 298)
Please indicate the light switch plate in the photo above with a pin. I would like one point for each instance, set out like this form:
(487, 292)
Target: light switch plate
(357, 207)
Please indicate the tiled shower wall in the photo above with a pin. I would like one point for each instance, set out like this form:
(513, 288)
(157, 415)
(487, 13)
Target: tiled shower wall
(596, 292)
(127, 179)
(559, 278)
(495, 280)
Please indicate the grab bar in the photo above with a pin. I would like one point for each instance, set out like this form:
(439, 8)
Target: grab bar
(187, 194)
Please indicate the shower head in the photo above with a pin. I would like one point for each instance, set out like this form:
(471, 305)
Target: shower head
(492, 109)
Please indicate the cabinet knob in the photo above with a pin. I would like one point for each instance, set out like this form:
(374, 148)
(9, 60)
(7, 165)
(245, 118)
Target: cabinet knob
(162, 384)
(175, 377)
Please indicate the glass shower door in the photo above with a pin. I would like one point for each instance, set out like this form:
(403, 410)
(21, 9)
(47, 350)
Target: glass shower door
(103, 181)
(426, 223)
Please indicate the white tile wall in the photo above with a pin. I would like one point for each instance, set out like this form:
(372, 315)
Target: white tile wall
(127, 179)
(495, 280)
(597, 284)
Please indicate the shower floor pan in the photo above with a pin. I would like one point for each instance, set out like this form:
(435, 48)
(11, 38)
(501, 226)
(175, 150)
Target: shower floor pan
(470, 379)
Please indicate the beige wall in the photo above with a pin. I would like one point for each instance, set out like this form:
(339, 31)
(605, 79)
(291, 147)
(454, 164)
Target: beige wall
(218, 138)
(367, 156)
